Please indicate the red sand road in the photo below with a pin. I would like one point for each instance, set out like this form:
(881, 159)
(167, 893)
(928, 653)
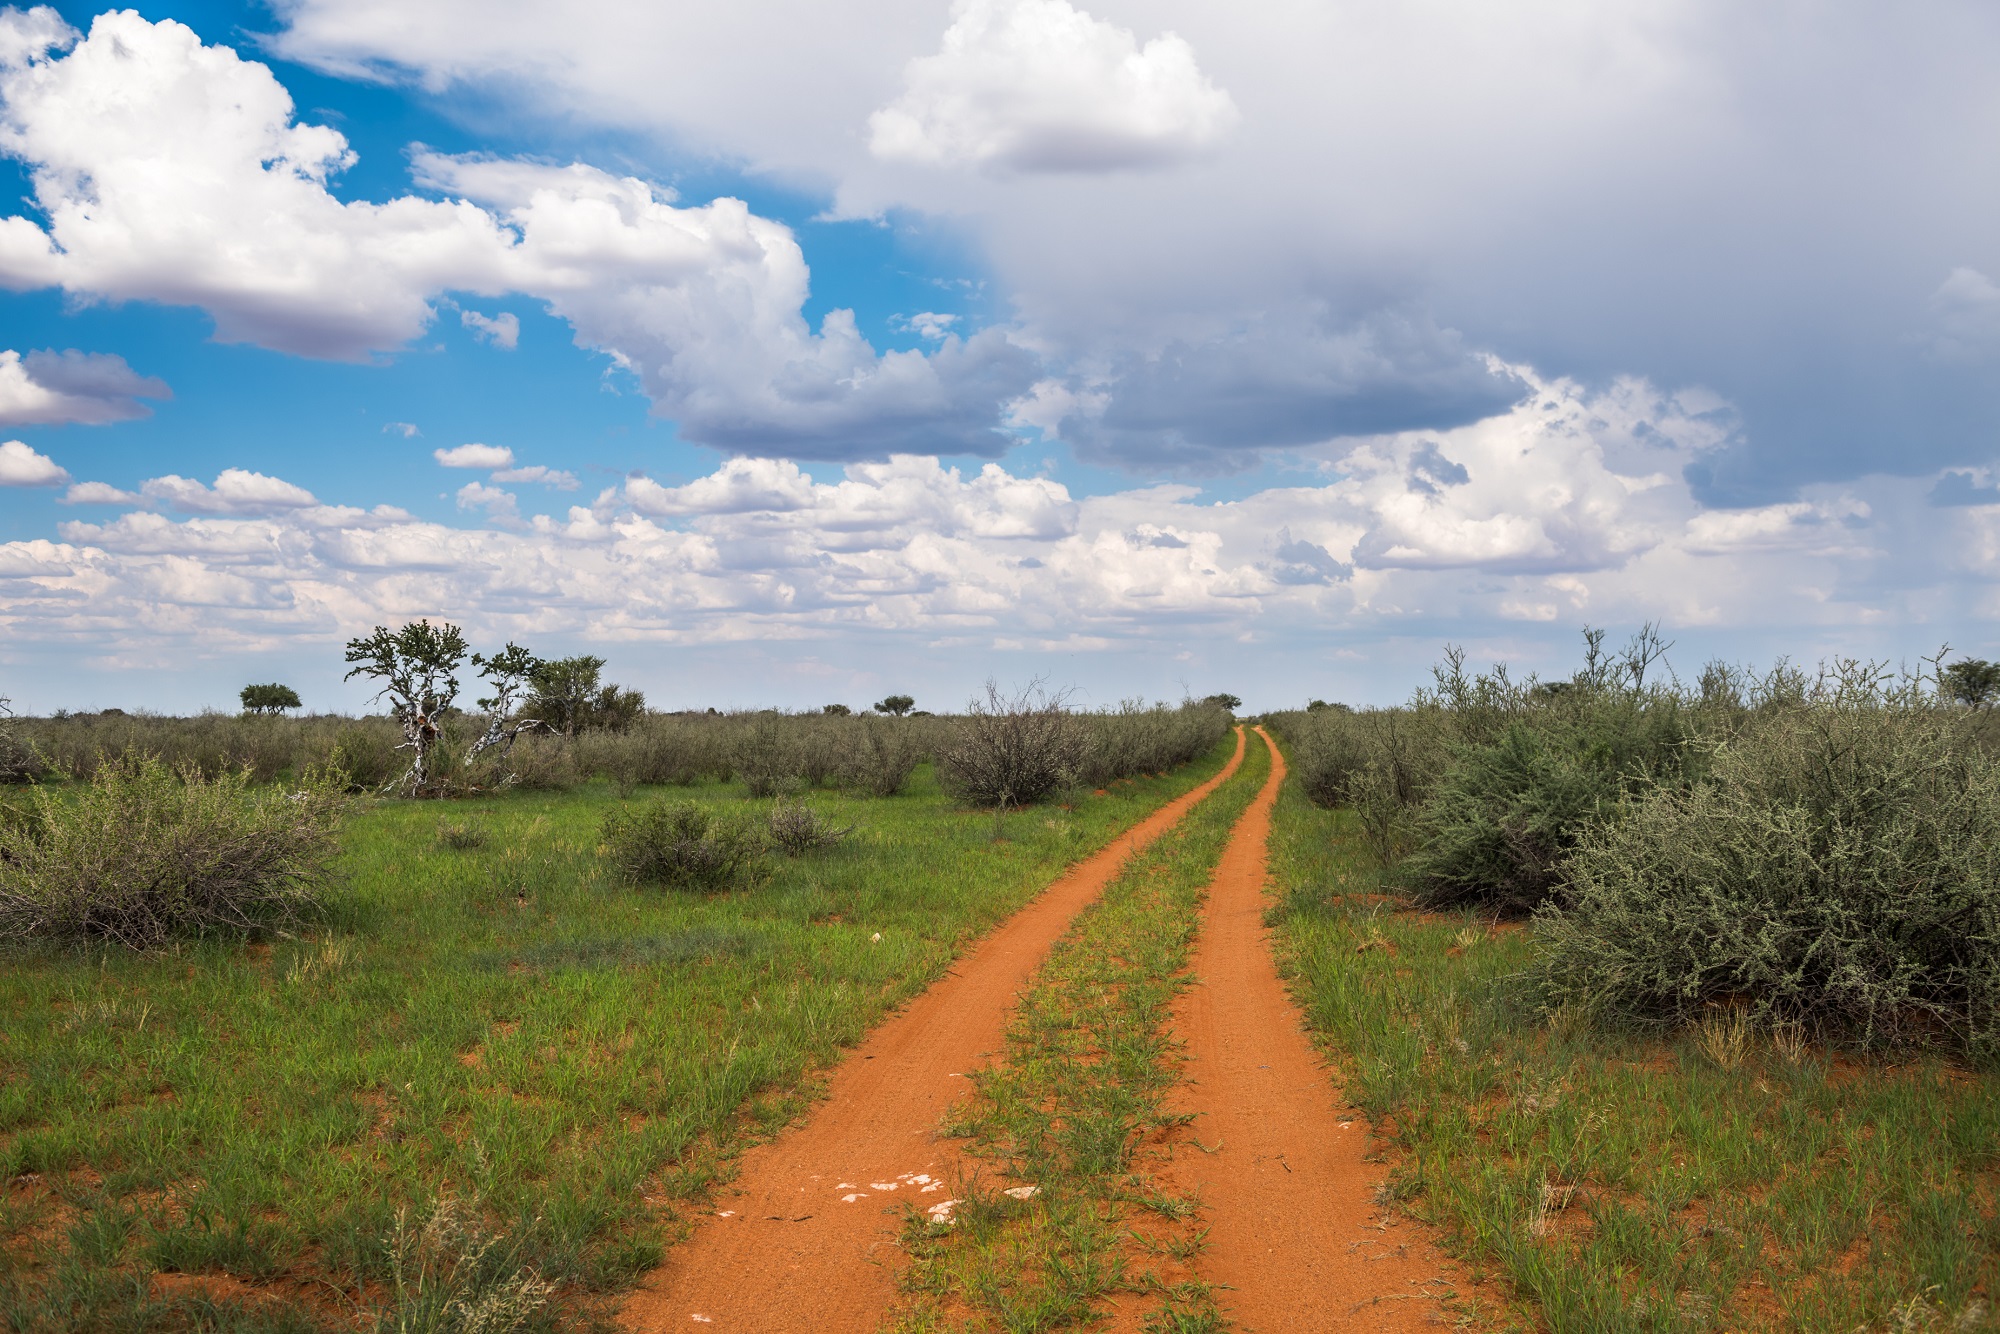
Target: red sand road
(1294, 1233)
(808, 1240)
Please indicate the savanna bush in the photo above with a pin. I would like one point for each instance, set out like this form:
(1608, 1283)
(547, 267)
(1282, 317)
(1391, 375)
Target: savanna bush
(1014, 750)
(1496, 827)
(660, 749)
(1838, 865)
(797, 829)
(1138, 739)
(768, 756)
(881, 755)
(143, 855)
(682, 845)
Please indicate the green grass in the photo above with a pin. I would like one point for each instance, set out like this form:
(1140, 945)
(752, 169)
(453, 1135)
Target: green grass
(1070, 1112)
(497, 1021)
(1617, 1181)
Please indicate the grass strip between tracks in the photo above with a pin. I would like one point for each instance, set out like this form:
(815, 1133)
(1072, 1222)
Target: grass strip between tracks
(1076, 1111)
(1622, 1182)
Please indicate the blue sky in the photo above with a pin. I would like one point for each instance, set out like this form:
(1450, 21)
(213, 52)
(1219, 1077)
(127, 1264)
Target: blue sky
(1188, 349)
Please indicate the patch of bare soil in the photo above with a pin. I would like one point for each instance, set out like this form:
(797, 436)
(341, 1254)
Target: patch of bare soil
(807, 1239)
(1295, 1236)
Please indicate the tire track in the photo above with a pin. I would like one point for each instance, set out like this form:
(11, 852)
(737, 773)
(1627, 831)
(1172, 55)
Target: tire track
(1295, 1237)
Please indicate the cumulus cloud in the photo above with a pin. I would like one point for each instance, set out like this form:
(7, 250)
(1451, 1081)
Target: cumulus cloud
(905, 495)
(236, 491)
(914, 553)
(49, 388)
(704, 304)
(502, 330)
(174, 172)
(499, 505)
(22, 466)
(475, 456)
(171, 171)
(1041, 86)
(100, 493)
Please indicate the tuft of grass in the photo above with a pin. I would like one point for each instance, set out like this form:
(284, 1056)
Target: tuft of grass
(461, 835)
(1726, 1176)
(1084, 1082)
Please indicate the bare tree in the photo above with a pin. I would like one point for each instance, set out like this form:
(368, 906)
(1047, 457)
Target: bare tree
(417, 667)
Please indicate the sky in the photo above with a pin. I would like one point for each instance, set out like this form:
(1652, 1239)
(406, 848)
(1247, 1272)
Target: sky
(788, 354)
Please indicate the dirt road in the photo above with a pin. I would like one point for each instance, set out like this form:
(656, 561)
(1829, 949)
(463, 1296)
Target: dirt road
(1294, 1233)
(806, 1240)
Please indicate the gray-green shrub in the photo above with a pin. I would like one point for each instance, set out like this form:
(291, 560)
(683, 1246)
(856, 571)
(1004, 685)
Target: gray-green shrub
(1136, 739)
(881, 755)
(144, 855)
(682, 845)
(1840, 865)
(1497, 825)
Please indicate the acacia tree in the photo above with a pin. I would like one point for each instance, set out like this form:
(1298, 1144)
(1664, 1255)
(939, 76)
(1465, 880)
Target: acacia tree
(510, 672)
(896, 704)
(1971, 681)
(272, 698)
(417, 667)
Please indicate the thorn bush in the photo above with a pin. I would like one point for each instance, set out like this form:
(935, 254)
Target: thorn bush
(679, 844)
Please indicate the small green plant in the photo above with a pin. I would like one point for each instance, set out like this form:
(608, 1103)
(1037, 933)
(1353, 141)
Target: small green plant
(144, 855)
(681, 845)
(797, 829)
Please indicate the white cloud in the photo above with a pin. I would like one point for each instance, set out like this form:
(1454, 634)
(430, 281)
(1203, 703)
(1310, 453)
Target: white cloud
(704, 303)
(408, 430)
(554, 478)
(50, 388)
(1405, 536)
(171, 171)
(1038, 85)
(475, 456)
(236, 491)
(174, 172)
(930, 324)
(498, 504)
(22, 466)
(502, 330)
(100, 493)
